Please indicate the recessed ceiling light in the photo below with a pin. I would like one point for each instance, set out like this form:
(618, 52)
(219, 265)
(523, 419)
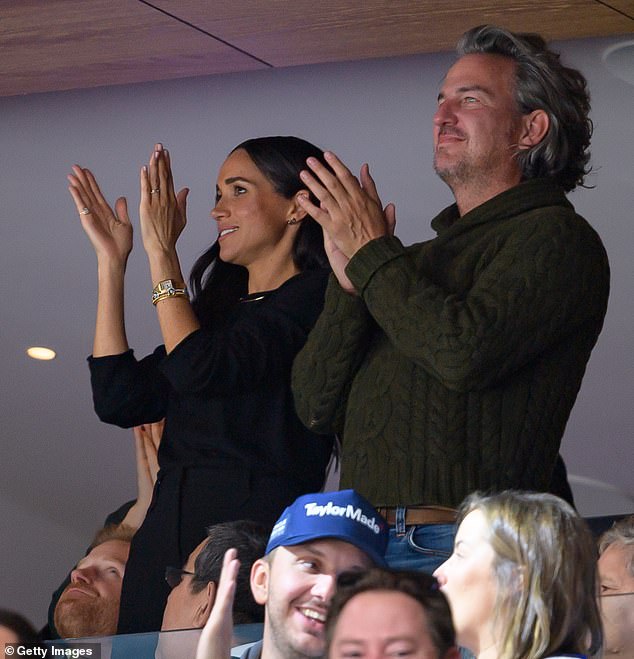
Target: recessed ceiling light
(619, 60)
(38, 352)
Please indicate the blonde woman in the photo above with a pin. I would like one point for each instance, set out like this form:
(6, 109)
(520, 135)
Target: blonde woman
(522, 580)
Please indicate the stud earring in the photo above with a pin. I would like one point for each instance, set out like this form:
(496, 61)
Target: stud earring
(292, 221)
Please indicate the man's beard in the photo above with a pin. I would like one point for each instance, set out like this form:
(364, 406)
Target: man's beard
(467, 171)
(282, 636)
(476, 171)
(454, 174)
(78, 618)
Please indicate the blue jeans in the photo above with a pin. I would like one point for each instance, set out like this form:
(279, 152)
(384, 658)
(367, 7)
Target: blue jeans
(422, 547)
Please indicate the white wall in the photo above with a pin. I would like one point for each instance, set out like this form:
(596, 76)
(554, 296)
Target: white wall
(62, 469)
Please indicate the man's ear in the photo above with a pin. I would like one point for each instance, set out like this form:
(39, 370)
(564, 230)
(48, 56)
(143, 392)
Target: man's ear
(205, 603)
(535, 125)
(260, 577)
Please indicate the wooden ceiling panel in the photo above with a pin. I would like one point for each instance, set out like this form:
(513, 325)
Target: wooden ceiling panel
(302, 32)
(626, 7)
(68, 44)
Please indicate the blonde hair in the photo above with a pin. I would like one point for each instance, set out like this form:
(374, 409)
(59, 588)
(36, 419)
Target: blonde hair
(545, 568)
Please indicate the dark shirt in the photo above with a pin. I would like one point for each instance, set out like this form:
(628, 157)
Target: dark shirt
(225, 390)
(232, 447)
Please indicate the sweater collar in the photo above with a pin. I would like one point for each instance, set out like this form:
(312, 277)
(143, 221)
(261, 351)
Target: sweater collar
(526, 196)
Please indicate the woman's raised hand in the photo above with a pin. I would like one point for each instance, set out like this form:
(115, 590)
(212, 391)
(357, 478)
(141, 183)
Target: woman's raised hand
(162, 212)
(109, 232)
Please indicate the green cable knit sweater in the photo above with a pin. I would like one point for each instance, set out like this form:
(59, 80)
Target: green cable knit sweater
(457, 366)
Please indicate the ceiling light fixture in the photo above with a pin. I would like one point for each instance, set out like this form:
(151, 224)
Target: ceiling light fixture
(38, 352)
(619, 60)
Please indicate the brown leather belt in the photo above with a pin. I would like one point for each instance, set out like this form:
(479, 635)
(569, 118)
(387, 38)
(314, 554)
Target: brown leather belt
(415, 515)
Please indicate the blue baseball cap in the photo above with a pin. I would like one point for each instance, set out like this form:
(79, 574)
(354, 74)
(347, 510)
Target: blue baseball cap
(344, 515)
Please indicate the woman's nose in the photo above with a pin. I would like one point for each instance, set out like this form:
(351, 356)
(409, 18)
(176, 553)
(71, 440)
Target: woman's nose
(218, 211)
(440, 575)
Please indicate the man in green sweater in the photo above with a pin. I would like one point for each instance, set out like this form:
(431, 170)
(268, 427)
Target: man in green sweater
(452, 365)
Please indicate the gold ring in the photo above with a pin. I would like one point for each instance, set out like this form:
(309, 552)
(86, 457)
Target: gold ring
(84, 211)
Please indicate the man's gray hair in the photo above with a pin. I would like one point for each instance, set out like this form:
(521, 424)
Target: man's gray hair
(621, 533)
(543, 83)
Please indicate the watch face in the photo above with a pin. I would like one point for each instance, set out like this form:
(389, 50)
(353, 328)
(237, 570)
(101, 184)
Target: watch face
(164, 286)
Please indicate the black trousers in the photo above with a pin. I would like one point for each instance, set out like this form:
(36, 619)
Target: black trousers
(186, 501)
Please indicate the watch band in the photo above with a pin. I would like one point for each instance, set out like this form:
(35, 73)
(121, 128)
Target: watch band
(166, 289)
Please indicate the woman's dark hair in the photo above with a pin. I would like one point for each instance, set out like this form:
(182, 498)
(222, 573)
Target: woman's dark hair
(216, 284)
(543, 83)
(19, 625)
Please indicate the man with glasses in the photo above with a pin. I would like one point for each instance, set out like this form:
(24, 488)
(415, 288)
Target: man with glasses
(616, 574)
(194, 586)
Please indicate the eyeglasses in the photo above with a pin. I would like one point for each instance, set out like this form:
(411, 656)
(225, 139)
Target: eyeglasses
(174, 575)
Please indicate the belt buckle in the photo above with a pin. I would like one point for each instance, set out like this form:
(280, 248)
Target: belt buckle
(400, 521)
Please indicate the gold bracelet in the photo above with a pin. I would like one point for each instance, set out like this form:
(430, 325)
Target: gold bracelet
(166, 289)
(167, 296)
